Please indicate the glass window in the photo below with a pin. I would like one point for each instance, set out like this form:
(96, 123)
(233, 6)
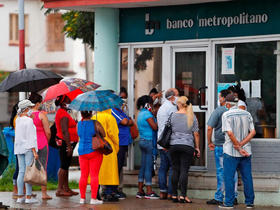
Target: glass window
(124, 67)
(147, 68)
(13, 37)
(254, 61)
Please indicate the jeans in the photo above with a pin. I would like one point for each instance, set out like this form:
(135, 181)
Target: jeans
(244, 165)
(165, 165)
(146, 147)
(23, 161)
(181, 157)
(219, 195)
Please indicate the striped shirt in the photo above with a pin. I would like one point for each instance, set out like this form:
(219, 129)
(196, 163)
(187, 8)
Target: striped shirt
(240, 122)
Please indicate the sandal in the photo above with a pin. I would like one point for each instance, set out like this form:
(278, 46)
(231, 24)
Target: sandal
(184, 200)
(47, 197)
(174, 199)
(63, 193)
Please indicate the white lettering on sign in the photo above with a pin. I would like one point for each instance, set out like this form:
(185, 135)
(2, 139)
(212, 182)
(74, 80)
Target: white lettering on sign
(187, 23)
(175, 24)
(243, 18)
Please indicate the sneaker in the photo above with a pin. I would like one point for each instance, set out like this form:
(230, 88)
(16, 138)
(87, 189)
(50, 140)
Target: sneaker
(249, 206)
(82, 201)
(235, 203)
(110, 198)
(140, 195)
(223, 206)
(20, 200)
(120, 195)
(152, 196)
(214, 202)
(31, 200)
(95, 201)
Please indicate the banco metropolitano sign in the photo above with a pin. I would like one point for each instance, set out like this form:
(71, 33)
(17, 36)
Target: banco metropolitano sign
(243, 18)
(215, 20)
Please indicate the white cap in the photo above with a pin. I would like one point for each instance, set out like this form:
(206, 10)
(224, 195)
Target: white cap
(22, 105)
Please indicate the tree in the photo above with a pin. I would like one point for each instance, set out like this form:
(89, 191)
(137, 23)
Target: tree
(79, 25)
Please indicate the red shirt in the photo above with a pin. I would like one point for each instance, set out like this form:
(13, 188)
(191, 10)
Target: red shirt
(72, 125)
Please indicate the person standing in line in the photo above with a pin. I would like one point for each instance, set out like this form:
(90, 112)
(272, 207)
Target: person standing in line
(215, 122)
(184, 143)
(239, 130)
(146, 125)
(43, 131)
(123, 122)
(25, 148)
(90, 160)
(168, 107)
(108, 174)
(67, 132)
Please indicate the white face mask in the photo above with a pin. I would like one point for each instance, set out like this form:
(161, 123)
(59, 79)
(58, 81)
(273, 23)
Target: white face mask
(29, 113)
(175, 101)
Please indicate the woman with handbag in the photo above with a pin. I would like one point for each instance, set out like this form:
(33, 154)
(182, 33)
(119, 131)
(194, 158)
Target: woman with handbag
(67, 135)
(146, 125)
(25, 147)
(41, 122)
(89, 159)
(184, 143)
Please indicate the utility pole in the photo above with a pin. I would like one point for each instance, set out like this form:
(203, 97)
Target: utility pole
(22, 95)
(21, 34)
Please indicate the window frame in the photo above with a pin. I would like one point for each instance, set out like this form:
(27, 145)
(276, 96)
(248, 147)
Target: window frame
(253, 39)
(13, 29)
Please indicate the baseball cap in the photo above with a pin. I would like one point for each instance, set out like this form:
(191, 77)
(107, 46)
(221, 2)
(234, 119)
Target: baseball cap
(22, 105)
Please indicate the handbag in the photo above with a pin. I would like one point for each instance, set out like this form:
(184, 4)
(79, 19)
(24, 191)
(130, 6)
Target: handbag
(134, 131)
(164, 139)
(99, 143)
(35, 175)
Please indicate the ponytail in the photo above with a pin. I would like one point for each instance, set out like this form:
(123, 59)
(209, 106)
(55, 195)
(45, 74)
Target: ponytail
(189, 110)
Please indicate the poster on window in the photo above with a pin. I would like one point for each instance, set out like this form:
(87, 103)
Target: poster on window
(256, 88)
(228, 60)
(246, 87)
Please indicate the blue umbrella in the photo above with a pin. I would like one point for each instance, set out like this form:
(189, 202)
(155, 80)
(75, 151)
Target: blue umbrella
(97, 100)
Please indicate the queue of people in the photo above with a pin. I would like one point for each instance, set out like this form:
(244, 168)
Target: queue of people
(231, 147)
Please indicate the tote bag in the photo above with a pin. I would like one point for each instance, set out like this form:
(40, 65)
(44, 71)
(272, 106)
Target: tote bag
(134, 131)
(100, 144)
(164, 139)
(35, 175)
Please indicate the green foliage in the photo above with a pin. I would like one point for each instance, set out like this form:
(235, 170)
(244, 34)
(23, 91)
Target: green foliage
(3, 75)
(79, 25)
(6, 182)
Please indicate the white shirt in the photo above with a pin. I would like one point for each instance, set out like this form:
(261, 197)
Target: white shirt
(25, 135)
(239, 122)
(162, 116)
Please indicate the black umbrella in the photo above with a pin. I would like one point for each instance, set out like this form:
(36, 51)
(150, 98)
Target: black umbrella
(29, 80)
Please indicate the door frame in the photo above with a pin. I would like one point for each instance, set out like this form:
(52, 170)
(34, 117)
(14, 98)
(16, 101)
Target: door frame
(209, 93)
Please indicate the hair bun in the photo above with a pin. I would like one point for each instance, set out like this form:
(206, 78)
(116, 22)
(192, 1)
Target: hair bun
(188, 102)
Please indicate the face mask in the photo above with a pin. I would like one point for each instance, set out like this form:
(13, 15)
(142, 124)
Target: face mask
(156, 101)
(175, 101)
(29, 113)
(124, 100)
(67, 106)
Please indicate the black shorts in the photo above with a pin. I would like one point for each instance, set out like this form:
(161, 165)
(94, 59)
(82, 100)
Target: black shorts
(65, 161)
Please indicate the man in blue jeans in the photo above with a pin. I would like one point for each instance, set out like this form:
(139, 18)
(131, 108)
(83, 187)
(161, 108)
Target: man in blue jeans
(239, 130)
(164, 112)
(215, 122)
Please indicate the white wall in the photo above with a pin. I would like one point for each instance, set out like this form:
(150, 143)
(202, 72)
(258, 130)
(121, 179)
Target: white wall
(36, 52)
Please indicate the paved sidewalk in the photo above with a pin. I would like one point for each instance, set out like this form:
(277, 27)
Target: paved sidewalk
(131, 203)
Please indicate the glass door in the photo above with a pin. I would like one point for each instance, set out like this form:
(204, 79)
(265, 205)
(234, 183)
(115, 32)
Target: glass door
(190, 80)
